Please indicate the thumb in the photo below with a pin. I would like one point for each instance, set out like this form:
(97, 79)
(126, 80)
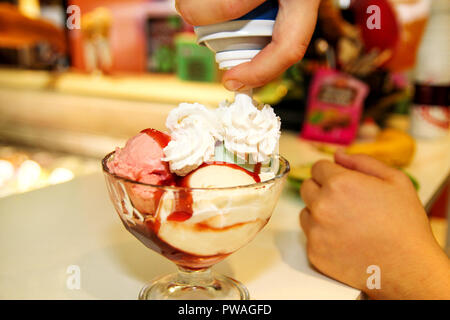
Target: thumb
(364, 164)
(292, 32)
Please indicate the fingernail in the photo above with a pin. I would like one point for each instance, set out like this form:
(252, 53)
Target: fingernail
(233, 85)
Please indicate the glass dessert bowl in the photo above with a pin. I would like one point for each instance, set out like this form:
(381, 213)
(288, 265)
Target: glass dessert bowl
(195, 227)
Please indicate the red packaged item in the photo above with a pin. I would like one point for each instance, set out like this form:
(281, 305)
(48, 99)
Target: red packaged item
(335, 103)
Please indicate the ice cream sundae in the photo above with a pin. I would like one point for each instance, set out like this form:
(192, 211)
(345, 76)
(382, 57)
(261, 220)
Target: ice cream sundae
(206, 187)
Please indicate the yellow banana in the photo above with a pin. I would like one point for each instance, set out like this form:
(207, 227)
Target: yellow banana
(393, 147)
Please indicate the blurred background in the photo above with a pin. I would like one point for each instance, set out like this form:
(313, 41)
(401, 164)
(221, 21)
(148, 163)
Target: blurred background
(79, 77)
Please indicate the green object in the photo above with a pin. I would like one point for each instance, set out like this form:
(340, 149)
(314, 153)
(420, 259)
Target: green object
(174, 22)
(161, 33)
(194, 62)
(163, 58)
(316, 117)
(296, 184)
(298, 174)
(414, 181)
(273, 92)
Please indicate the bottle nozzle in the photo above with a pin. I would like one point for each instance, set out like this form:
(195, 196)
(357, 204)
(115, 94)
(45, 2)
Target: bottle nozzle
(230, 59)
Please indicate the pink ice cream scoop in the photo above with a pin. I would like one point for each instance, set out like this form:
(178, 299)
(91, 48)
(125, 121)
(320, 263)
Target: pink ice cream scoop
(140, 160)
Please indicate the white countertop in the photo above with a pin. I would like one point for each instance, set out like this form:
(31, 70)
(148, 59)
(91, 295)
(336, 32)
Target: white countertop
(43, 232)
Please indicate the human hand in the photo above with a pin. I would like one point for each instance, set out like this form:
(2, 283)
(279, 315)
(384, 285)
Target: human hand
(360, 212)
(292, 32)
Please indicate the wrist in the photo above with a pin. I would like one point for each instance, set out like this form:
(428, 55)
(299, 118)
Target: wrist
(424, 276)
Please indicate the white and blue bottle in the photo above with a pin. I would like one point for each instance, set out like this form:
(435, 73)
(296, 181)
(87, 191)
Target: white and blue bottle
(238, 41)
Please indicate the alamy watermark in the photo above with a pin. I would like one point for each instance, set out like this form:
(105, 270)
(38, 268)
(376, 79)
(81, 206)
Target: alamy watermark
(374, 20)
(73, 281)
(374, 280)
(74, 17)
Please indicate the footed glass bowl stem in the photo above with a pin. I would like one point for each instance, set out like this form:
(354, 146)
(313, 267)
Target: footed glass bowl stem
(198, 284)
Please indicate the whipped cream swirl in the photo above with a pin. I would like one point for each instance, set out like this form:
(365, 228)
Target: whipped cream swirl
(249, 131)
(194, 130)
(245, 131)
(195, 115)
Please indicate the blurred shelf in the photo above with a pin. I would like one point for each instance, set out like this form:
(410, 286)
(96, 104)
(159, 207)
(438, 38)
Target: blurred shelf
(37, 80)
(147, 87)
(88, 114)
(89, 126)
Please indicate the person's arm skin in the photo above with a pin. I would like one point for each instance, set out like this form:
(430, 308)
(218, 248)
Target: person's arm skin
(293, 29)
(360, 212)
